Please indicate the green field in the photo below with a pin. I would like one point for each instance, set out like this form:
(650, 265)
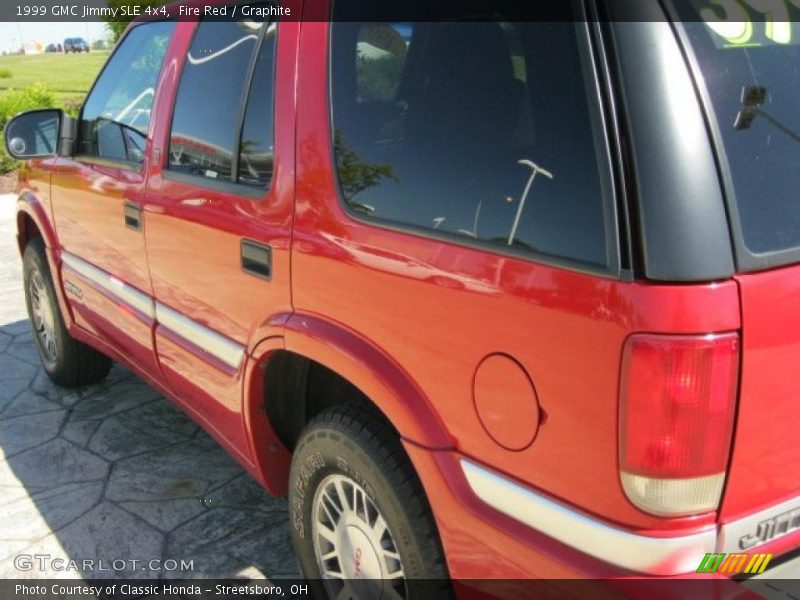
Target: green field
(43, 81)
(66, 75)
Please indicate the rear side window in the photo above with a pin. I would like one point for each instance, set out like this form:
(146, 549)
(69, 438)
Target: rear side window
(116, 116)
(477, 130)
(213, 136)
(256, 147)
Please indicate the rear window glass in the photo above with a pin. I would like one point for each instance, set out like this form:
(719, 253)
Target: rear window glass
(474, 130)
(750, 63)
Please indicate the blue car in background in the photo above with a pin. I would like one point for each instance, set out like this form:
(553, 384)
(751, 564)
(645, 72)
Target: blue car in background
(75, 44)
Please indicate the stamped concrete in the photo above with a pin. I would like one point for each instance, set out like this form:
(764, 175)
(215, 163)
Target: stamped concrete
(114, 472)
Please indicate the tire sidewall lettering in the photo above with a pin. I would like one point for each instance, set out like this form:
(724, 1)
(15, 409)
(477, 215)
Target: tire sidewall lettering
(312, 464)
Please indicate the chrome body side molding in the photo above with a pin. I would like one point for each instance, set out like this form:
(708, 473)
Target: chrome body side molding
(643, 554)
(220, 347)
(110, 284)
(216, 345)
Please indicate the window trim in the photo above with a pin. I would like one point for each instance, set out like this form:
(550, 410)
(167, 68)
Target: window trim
(624, 182)
(115, 163)
(125, 165)
(215, 185)
(609, 193)
(233, 188)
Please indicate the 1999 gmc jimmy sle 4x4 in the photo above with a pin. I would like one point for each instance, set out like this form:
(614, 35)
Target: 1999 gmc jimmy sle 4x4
(486, 297)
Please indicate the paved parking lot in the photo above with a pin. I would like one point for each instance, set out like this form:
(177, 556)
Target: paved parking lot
(113, 472)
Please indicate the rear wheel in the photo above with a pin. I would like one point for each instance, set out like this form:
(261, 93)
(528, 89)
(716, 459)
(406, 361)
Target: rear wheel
(66, 361)
(362, 526)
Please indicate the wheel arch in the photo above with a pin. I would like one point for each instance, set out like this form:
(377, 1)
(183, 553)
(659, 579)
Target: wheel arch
(358, 367)
(33, 221)
(373, 372)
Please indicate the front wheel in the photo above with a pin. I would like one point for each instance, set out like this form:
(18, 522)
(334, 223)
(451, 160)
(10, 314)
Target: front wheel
(362, 527)
(66, 361)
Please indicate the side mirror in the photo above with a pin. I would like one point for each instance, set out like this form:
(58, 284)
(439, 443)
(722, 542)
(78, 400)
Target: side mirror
(40, 133)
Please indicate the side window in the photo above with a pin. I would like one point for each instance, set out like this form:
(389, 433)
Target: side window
(210, 137)
(116, 116)
(256, 148)
(476, 130)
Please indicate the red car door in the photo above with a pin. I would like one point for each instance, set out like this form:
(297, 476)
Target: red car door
(219, 212)
(98, 193)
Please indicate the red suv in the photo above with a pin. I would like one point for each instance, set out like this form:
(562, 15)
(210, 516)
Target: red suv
(487, 297)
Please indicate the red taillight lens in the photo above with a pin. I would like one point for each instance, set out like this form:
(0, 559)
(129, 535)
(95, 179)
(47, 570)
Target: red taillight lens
(678, 399)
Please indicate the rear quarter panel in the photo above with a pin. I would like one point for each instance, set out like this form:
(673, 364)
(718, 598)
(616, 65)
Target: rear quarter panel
(437, 309)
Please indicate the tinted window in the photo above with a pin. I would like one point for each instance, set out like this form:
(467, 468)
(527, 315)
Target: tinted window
(478, 130)
(256, 148)
(761, 135)
(206, 121)
(116, 115)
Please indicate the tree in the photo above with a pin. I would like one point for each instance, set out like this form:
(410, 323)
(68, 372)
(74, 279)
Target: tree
(356, 176)
(118, 24)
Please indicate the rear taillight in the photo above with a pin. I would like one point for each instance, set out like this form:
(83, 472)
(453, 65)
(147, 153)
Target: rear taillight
(677, 405)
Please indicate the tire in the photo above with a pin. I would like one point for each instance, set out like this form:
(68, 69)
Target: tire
(349, 470)
(67, 362)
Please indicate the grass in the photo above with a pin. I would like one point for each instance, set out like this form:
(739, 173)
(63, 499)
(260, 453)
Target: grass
(66, 75)
(42, 81)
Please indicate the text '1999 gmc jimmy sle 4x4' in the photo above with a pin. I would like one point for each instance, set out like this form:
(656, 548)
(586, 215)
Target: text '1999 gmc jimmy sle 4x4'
(487, 297)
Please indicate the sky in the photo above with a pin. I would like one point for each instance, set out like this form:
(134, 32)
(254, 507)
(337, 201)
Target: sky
(47, 33)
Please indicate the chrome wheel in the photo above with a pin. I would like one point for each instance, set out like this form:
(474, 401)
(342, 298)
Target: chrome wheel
(42, 315)
(355, 551)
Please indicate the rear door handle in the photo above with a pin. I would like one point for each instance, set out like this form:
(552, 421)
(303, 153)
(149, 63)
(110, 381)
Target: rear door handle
(133, 216)
(257, 259)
